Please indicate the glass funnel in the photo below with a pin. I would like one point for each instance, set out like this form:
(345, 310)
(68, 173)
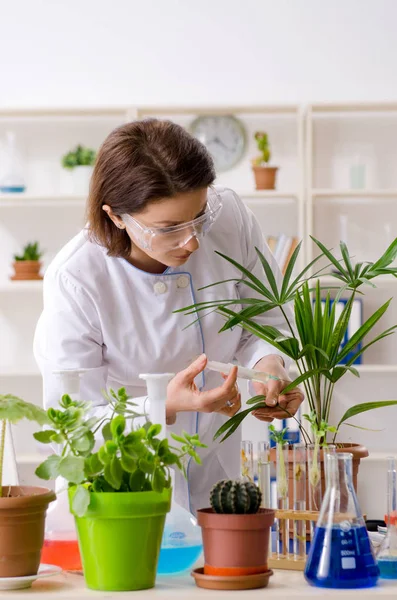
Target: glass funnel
(341, 554)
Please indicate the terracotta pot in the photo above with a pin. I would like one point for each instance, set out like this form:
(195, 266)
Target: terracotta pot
(235, 545)
(22, 517)
(26, 270)
(265, 177)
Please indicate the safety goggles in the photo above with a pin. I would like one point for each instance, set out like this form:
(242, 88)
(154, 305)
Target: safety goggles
(170, 238)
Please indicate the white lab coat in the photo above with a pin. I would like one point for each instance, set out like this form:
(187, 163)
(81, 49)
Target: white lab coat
(103, 314)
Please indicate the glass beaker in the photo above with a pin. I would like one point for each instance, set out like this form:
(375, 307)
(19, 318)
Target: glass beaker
(341, 554)
(387, 555)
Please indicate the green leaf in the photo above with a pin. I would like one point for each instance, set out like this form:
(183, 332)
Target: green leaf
(158, 480)
(117, 426)
(255, 400)
(162, 448)
(362, 428)
(289, 270)
(233, 423)
(106, 432)
(331, 257)
(137, 479)
(44, 437)
(49, 469)
(346, 258)
(260, 288)
(58, 438)
(269, 273)
(177, 438)
(103, 456)
(129, 464)
(360, 408)
(92, 465)
(72, 469)
(14, 409)
(80, 501)
(111, 447)
(153, 431)
(85, 443)
(113, 473)
(146, 466)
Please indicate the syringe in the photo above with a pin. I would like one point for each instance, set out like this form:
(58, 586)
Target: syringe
(242, 372)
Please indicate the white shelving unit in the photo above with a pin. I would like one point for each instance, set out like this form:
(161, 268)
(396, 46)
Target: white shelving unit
(338, 138)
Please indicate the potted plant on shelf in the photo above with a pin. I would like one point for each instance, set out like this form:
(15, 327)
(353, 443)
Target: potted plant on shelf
(22, 508)
(315, 343)
(80, 162)
(119, 494)
(235, 537)
(265, 176)
(27, 265)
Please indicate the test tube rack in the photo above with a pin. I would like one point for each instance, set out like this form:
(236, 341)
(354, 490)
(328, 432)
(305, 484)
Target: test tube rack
(289, 562)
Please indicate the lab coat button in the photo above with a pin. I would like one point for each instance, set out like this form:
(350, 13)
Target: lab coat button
(182, 281)
(160, 287)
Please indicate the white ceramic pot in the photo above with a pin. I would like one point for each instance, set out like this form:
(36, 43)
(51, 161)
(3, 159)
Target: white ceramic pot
(81, 179)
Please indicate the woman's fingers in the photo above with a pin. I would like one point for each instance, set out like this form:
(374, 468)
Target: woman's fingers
(188, 375)
(223, 397)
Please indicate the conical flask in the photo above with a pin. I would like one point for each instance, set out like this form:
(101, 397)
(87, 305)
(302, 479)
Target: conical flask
(341, 554)
(181, 544)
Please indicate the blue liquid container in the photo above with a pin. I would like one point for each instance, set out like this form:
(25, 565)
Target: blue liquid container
(341, 554)
(341, 559)
(174, 560)
(388, 567)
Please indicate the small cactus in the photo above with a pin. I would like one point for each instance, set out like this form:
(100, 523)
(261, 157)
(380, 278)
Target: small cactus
(235, 497)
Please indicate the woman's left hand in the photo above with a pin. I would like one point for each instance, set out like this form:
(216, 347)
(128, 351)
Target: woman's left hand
(275, 399)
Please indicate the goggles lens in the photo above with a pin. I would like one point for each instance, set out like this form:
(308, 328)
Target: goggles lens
(171, 238)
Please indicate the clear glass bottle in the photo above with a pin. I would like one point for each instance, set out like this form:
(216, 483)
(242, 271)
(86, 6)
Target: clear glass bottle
(341, 554)
(387, 555)
(299, 499)
(282, 499)
(12, 180)
(247, 461)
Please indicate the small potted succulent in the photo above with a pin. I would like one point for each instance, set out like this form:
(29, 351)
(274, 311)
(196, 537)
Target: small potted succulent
(22, 508)
(265, 176)
(80, 162)
(119, 492)
(236, 532)
(27, 265)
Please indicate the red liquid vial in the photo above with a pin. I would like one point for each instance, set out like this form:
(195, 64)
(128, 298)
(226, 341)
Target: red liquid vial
(62, 553)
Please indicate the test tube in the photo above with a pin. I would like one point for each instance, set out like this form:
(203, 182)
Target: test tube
(247, 461)
(391, 490)
(264, 479)
(282, 499)
(299, 500)
(314, 479)
(329, 449)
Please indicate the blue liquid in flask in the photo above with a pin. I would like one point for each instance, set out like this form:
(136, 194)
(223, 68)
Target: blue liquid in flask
(341, 557)
(388, 567)
(174, 559)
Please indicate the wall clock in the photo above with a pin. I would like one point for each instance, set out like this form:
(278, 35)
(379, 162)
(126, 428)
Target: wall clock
(224, 137)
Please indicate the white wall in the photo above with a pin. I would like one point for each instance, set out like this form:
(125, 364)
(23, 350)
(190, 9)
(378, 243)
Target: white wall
(71, 52)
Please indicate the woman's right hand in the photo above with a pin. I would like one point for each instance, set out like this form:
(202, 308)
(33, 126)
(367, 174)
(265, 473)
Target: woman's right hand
(183, 394)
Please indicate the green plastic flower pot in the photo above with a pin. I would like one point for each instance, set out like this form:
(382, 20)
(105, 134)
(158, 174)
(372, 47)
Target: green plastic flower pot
(120, 539)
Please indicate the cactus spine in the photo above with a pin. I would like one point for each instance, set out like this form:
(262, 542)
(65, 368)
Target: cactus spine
(235, 497)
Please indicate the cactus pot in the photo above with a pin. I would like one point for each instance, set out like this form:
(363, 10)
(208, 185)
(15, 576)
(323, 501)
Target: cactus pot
(235, 545)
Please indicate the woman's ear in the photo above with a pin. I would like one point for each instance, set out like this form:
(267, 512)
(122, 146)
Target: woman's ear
(116, 220)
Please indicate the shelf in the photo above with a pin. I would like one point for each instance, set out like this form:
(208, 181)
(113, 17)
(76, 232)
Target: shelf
(290, 109)
(354, 107)
(41, 200)
(330, 193)
(21, 286)
(10, 372)
(63, 112)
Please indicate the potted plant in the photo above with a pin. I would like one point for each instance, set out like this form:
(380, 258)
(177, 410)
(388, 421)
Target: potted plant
(265, 176)
(22, 508)
(27, 265)
(236, 532)
(120, 493)
(314, 344)
(80, 162)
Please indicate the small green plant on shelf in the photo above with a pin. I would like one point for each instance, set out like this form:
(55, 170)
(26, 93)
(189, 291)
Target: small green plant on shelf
(129, 459)
(235, 497)
(31, 252)
(13, 410)
(315, 343)
(282, 479)
(262, 141)
(79, 157)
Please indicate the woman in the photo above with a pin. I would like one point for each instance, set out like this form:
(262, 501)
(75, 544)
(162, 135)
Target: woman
(154, 224)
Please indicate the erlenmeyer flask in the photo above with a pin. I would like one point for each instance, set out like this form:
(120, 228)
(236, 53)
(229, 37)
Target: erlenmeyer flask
(341, 555)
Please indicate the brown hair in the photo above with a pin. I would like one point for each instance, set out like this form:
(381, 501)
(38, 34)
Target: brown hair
(138, 163)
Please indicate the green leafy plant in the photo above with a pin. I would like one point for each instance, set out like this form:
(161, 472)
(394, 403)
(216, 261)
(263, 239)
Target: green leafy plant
(279, 438)
(315, 342)
(79, 157)
(30, 252)
(13, 410)
(235, 497)
(133, 460)
(262, 141)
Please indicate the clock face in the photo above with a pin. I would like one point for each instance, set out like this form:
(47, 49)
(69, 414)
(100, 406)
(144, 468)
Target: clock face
(223, 136)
